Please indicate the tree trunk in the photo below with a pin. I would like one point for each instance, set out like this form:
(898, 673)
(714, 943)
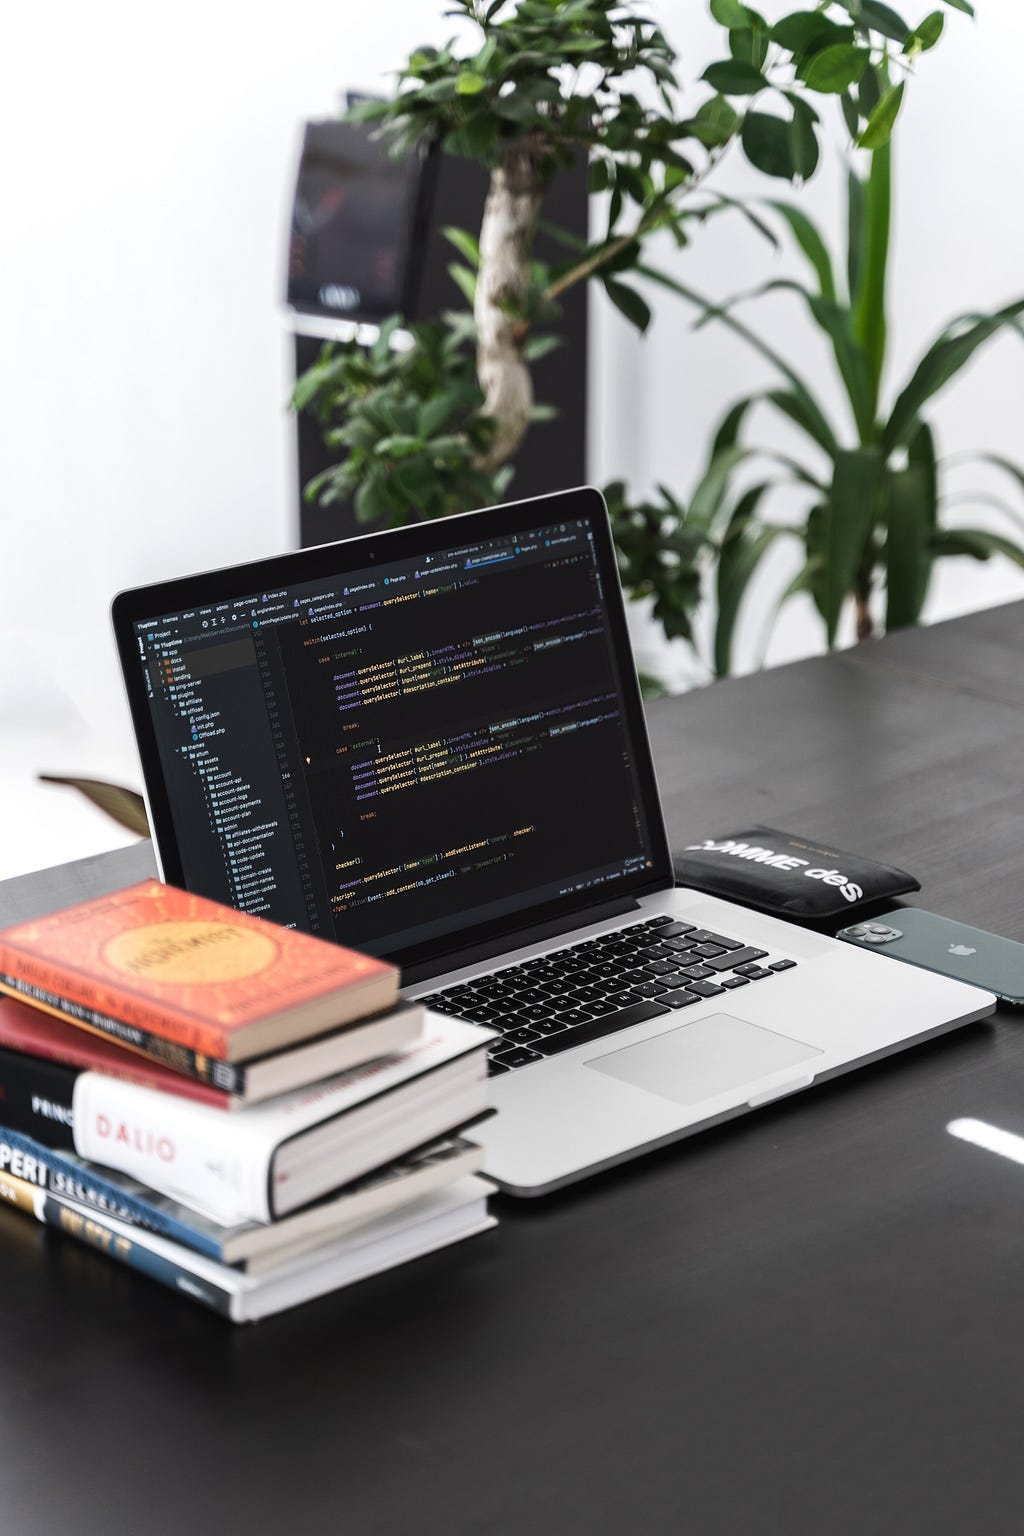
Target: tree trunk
(507, 235)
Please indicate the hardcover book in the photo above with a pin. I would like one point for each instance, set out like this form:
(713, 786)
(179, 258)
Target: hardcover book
(42, 1035)
(433, 1221)
(272, 1158)
(154, 963)
(250, 1245)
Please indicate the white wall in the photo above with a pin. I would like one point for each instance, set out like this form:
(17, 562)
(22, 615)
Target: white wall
(147, 166)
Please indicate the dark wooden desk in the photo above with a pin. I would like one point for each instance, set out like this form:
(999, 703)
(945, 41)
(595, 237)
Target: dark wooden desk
(809, 1321)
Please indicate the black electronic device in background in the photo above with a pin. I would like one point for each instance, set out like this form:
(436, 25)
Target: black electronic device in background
(367, 241)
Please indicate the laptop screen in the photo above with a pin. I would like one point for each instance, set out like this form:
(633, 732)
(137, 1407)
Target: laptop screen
(392, 753)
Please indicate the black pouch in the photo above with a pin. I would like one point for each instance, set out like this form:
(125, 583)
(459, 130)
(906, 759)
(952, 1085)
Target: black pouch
(788, 876)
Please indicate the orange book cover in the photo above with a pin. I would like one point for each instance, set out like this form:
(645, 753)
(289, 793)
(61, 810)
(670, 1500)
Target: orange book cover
(217, 981)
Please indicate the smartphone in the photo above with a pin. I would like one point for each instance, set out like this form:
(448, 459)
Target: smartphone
(938, 944)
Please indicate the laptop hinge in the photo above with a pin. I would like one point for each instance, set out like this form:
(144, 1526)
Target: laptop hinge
(454, 960)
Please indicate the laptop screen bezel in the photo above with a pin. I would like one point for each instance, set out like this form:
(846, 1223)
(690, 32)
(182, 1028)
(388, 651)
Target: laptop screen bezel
(139, 605)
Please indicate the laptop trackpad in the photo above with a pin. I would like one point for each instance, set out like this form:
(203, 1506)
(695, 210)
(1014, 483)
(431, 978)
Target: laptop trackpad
(699, 1060)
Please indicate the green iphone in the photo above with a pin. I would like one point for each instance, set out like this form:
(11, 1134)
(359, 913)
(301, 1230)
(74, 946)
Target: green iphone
(938, 944)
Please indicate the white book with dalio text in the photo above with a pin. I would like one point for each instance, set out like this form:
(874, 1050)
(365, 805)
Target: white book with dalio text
(269, 1159)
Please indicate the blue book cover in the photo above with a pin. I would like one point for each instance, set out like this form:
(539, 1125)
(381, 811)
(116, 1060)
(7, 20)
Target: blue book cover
(63, 1172)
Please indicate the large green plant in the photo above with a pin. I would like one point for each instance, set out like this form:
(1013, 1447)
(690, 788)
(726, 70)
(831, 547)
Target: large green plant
(434, 428)
(871, 485)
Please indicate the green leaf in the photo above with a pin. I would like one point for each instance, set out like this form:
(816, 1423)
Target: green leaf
(835, 68)
(367, 111)
(730, 13)
(728, 431)
(433, 414)
(869, 91)
(707, 499)
(124, 806)
(714, 122)
(851, 114)
(743, 548)
(962, 5)
(811, 243)
(636, 309)
(926, 34)
(470, 83)
(854, 234)
(803, 143)
(370, 504)
(910, 522)
(869, 320)
(464, 243)
(880, 123)
(463, 279)
(399, 446)
(767, 145)
(536, 347)
(733, 77)
(807, 32)
(849, 518)
(881, 18)
(976, 542)
(750, 43)
(941, 363)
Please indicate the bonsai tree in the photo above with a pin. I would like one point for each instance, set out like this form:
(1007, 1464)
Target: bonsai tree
(433, 427)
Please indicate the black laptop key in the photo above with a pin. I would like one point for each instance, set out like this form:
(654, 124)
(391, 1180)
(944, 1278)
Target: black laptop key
(732, 982)
(756, 973)
(495, 1067)
(573, 1016)
(560, 987)
(530, 1011)
(550, 1027)
(583, 1034)
(519, 1055)
(707, 951)
(704, 988)
(602, 1007)
(679, 998)
(661, 967)
(659, 922)
(651, 988)
(696, 972)
(736, 959)
(480, 1015)
(705, 936)
(522, 1035)
(618, 951)
(587, 995)
(782, 965)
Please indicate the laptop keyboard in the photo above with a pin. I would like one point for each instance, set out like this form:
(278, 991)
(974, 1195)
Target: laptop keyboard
(569, 997)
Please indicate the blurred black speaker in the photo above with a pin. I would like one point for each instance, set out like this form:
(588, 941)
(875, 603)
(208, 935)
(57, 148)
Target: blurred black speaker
(367, 242)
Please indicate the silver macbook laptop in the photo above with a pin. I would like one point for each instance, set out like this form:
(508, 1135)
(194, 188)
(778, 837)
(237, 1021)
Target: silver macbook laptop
(429, 744)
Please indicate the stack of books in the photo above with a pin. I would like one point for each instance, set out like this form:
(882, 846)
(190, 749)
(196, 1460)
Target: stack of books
(245, 1112)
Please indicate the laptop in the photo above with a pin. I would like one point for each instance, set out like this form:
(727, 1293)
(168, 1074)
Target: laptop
(429, 744)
